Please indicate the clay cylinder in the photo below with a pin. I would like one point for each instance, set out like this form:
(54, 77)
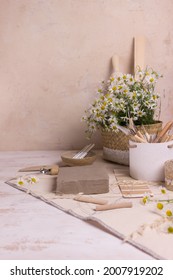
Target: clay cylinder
(168, 170)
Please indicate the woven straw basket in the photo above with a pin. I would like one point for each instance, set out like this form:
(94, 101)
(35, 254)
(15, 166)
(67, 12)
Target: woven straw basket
(116, 144)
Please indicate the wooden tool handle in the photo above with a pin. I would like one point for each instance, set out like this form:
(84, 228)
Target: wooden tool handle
(113, 206)
(115, 63)
(54, 170)
(139, 52)
(88, 199)
(136, 138)
(163, 132)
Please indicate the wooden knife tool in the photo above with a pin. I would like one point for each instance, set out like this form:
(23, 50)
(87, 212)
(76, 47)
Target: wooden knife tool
(47, 169)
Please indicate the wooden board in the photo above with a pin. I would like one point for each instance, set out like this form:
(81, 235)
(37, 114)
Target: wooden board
(130, 187)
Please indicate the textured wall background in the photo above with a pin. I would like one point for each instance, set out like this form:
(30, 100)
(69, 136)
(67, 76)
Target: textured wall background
(53, 53)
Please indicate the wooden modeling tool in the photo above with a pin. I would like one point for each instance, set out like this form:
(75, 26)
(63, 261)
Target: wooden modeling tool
(89, 199)
(45, 169)
(139, 52)
(115, 63)
(162, 133)
(113, 206)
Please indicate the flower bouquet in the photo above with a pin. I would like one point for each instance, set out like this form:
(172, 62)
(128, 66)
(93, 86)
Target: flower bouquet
(121, 98)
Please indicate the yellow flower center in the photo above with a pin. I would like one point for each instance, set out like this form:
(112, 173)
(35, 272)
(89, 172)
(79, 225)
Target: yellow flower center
(21, 183)
(160, 205)
(170, 229)
(163, 191)
(169, 213)
(114, 88)
(144, 200)
(33, 180)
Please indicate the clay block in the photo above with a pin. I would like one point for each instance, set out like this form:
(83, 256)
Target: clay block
(85, 179)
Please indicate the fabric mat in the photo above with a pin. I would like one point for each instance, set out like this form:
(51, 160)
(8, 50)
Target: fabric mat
(141, 226)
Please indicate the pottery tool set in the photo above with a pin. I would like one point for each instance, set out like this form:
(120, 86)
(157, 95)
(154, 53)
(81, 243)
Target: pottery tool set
(102, 204)
(143, 137)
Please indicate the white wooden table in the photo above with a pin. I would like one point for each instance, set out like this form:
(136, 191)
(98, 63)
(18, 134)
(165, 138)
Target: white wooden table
(31, 229)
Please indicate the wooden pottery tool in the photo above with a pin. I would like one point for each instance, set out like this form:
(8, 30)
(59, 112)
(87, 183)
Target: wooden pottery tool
(139, 52)
(82, 153)
(113, 206)
(89, 199)
(115, 63)
(45, 169)
(133, 135)
(162, 133)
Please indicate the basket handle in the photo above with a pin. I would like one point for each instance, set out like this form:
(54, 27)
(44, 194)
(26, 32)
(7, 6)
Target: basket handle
(170, 146)
(132, 145)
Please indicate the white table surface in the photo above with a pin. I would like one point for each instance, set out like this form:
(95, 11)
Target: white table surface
(32, 229)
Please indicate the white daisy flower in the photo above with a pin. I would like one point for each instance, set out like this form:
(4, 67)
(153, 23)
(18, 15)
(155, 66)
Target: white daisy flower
(21, 182)
(32, 179)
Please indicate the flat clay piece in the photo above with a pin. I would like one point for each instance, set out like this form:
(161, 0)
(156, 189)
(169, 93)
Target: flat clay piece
(82, 179)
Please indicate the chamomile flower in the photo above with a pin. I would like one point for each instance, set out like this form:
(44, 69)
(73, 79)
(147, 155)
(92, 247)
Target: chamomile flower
(163, 190)
(32, 179)
(21, 182)
(122, 96)
(169, 213)
(160, 206)
(145, 199)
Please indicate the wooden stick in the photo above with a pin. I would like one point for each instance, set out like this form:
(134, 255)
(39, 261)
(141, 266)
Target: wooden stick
(167, 127)
(164, 138)
(136, 138)
(139, 52)
(170, 138)
(115, 63)
(147, 135)
(141, 135)
(113, 206)
(88, 199)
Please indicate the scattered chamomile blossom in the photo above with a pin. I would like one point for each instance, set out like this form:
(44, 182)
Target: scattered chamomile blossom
(122, 97)
(159, 205)
(145, 199)
(20, 182)
(164, 208)
(32, 179)
(163, 190)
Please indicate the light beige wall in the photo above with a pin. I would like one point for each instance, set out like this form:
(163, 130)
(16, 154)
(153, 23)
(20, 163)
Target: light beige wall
(53, 53)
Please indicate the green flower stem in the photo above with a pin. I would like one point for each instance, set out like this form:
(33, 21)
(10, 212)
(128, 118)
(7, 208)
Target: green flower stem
(161, 200)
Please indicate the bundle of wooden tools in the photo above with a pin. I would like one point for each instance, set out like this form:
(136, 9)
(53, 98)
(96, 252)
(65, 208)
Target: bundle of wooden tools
(137, 136)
